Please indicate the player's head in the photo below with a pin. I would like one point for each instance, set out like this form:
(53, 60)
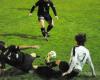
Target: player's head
(46, 0)
(2, 45)
(80, 38)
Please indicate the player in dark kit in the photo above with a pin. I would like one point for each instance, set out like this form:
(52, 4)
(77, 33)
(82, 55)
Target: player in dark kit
(14, 57)
(49, 73)
(43, 14)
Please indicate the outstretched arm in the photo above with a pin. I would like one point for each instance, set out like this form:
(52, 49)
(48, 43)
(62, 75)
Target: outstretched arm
(27, 47)
(91, 66)
(48, 57)
(32, 9)
(54, 9)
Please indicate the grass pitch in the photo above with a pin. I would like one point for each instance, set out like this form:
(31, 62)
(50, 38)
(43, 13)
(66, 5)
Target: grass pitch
(75, 16)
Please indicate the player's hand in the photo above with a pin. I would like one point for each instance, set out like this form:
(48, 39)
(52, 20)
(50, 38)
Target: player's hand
(93, 75)
(56, 17)
(36, 46)
(30, 14)
(64, 74)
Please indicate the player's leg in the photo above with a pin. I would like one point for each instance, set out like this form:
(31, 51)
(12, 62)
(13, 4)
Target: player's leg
(46, 72)
(64, 66)
(28, 61)
(42, 25)
(50, 23)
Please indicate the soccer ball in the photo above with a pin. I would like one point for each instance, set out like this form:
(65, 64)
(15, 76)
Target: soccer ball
(52, 54)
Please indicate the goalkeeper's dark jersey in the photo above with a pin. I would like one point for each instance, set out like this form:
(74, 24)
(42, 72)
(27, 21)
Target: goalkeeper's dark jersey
(43, 7)
(14, 57)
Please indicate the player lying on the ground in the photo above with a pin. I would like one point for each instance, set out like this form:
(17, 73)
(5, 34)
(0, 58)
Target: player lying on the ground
(79, 56)
(20, 62)
(43, 14)
(48, 72)
(13, 56)
(27, 66)
(22, 66)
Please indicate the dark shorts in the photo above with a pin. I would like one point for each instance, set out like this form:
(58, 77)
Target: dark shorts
(47, 17)
(47, 72)
(27, 63)
(64, 66)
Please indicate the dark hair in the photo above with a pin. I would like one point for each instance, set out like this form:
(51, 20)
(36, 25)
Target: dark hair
(2, 43)
(80, 38)
(43, 0)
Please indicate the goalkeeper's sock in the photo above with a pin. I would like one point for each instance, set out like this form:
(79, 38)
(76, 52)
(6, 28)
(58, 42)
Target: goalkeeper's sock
(49, 28)
(43, 31)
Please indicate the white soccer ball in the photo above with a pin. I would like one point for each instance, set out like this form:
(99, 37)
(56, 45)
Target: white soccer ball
(52, 54)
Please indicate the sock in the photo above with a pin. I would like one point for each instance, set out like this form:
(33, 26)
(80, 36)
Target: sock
(49, 28)
(43, 31)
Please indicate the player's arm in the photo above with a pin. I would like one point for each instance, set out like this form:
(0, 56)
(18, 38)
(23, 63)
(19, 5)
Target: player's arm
(15, 47)
(54, 9)
(27, 47)
(48, 57)
(91, 65)
(71, 56)
(49, 63)
(32, 9)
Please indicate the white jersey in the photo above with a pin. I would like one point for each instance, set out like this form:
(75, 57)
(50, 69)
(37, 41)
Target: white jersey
(81, 57)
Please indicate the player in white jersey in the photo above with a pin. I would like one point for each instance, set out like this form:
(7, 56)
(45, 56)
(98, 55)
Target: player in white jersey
(79, 56)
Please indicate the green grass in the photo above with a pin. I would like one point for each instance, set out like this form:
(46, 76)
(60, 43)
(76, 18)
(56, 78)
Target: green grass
(74, 16)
